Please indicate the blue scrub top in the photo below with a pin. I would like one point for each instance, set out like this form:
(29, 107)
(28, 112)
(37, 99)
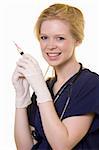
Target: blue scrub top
(84, 100)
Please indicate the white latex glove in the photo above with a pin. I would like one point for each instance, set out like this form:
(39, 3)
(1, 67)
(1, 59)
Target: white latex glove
(21, 86)
(29, 67)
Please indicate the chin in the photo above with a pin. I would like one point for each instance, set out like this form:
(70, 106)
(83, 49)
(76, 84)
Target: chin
(54, 64)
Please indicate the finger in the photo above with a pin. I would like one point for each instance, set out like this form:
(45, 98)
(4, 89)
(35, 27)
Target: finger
(25, 61)
(23, 64)
(16, 75)
(29, 57)
(21, 71)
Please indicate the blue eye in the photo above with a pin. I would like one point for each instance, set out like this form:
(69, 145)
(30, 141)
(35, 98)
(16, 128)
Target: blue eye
(43, 37)
(60, 38)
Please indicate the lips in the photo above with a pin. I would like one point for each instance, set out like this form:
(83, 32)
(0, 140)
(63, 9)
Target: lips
(53, 55)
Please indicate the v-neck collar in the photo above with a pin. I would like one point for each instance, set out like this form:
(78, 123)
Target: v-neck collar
(54, 79)
(63, 85)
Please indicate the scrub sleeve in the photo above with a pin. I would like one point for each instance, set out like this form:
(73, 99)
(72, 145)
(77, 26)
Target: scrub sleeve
(84, 100)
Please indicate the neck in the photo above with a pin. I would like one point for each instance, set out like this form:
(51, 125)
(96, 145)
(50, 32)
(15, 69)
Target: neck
(67, 70)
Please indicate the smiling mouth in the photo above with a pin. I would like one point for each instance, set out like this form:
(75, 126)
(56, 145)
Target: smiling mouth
(53, 54)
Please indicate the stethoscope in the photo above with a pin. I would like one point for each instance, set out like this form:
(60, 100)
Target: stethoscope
(69, 86)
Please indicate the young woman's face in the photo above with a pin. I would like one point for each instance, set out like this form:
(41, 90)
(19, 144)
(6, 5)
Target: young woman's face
(56, 42)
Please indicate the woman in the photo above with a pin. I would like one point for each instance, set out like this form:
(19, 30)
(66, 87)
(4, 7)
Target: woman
(63, 113)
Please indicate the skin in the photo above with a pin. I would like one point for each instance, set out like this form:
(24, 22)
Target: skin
(56, 42)
(58, 48)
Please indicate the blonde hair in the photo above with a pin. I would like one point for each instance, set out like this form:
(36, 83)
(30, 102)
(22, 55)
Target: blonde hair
(64, 12)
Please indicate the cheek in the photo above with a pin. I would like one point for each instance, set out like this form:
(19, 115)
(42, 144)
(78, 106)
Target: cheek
(68, 45)
(64, 46)
(42, 45)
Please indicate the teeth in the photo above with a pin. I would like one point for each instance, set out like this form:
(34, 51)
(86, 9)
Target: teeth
(53, 54)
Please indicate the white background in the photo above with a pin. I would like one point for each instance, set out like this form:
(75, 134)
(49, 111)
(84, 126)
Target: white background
(17, 19)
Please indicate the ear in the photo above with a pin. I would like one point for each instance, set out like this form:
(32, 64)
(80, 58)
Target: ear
(77, 43)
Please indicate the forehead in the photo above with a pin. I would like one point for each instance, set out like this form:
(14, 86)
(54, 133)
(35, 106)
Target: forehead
(55, 26)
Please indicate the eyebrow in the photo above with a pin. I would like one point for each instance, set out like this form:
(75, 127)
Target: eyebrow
(55, 34)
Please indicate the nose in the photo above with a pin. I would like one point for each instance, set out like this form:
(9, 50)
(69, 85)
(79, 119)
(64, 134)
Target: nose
(51, 44)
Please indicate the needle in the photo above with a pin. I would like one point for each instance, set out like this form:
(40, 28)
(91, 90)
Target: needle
(18, 48)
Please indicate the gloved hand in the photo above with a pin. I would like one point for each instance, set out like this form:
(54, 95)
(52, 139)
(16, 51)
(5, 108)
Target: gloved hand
(21, 86)
(29, 67)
